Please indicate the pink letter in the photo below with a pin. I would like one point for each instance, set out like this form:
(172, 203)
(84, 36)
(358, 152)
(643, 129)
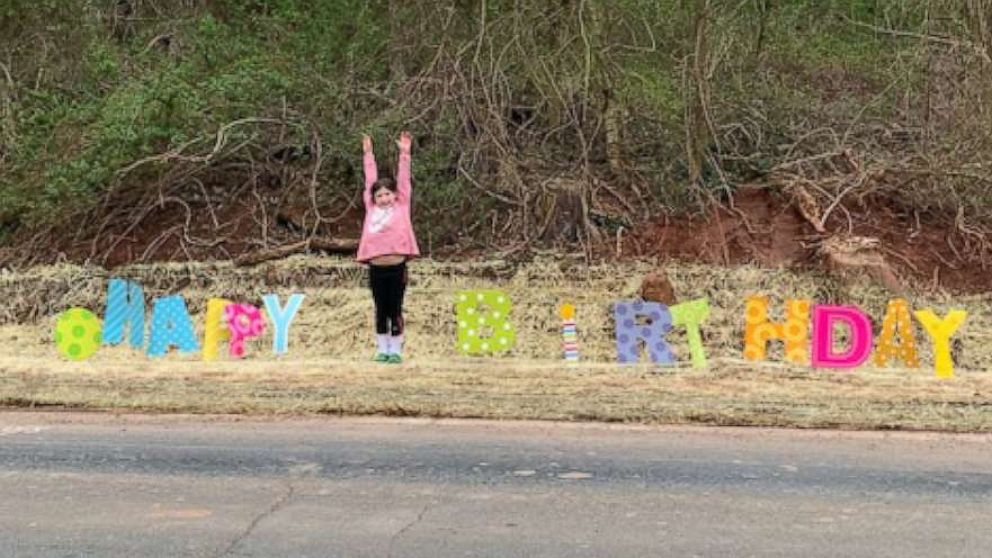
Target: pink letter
(244, 321)
(824, 318)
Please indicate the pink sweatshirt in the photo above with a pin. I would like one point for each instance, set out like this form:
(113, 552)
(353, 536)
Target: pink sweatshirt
(388, 231)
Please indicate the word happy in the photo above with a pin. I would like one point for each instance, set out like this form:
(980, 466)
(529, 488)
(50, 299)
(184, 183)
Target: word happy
(79, 334)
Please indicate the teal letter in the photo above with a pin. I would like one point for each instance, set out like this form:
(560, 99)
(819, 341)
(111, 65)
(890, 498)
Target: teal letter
(125, 308)
(281, 318)
(171, 325)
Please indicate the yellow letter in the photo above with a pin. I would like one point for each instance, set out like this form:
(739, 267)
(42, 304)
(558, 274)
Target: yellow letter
(216, 330)
(940, 331)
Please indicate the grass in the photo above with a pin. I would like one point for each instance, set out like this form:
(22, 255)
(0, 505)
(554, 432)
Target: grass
(731, 393)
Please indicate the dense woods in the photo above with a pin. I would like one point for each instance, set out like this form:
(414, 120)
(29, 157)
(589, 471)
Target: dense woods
(209, 127)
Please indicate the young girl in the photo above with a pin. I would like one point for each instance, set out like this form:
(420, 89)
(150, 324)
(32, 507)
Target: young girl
(387, 243)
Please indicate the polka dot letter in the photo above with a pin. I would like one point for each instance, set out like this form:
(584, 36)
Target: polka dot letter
(483, 319)
(78, 334)
(630, 333)
(171, 325)
(758, 331)
(244, 322)
(897, 320)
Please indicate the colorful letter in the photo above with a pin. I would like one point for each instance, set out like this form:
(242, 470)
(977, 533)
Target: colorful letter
(897, 320)
(77, 334)
(125, 308)
(473, 320)
(940, 331)
(691, 314)
(629, 332)
(281, 319)
(244, 321)
(758, 331)
(216, 329)
(569, 336)
(859, 345)
(171, 325)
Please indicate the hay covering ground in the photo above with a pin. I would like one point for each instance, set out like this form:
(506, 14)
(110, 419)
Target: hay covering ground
(327, 369)
(336, 318)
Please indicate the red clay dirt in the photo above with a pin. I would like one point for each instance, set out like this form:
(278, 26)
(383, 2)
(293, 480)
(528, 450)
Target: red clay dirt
(760, 226)
(763, 228)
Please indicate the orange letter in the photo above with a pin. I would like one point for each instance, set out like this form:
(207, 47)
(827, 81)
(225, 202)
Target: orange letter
(758, 331)
(897, 320)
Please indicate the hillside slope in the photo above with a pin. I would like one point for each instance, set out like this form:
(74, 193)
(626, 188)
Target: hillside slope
(151, 130)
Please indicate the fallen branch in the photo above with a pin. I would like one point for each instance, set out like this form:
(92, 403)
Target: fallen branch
(334, 246)
(955, 43)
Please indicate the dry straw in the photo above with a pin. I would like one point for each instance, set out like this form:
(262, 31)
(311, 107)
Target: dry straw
(335, 321)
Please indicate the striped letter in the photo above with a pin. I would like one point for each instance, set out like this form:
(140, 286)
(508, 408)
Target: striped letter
(125, 309)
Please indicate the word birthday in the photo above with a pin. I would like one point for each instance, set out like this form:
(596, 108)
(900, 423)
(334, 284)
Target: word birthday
(809, 331)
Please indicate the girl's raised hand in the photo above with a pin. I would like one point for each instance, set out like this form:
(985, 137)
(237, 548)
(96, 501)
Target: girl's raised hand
(366, 144)
(405, 141)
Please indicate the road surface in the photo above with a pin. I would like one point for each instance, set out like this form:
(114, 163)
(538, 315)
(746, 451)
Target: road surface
(74, 485)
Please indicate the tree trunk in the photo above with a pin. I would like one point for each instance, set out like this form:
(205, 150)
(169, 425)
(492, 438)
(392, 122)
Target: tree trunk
(397, 42)
(613, 122)
(697, 94)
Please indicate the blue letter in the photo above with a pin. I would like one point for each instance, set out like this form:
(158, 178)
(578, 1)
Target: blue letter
(171, 325)
(629, 332)
(281, 318)
(125, 308)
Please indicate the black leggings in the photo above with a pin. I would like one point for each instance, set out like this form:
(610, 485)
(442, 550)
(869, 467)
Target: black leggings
(388, 284)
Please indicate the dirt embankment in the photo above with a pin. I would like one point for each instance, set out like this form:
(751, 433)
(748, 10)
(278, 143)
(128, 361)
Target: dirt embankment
(763, 226)
(766, 228)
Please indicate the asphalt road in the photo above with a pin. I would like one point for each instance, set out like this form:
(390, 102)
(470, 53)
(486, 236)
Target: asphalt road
(137, 486)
